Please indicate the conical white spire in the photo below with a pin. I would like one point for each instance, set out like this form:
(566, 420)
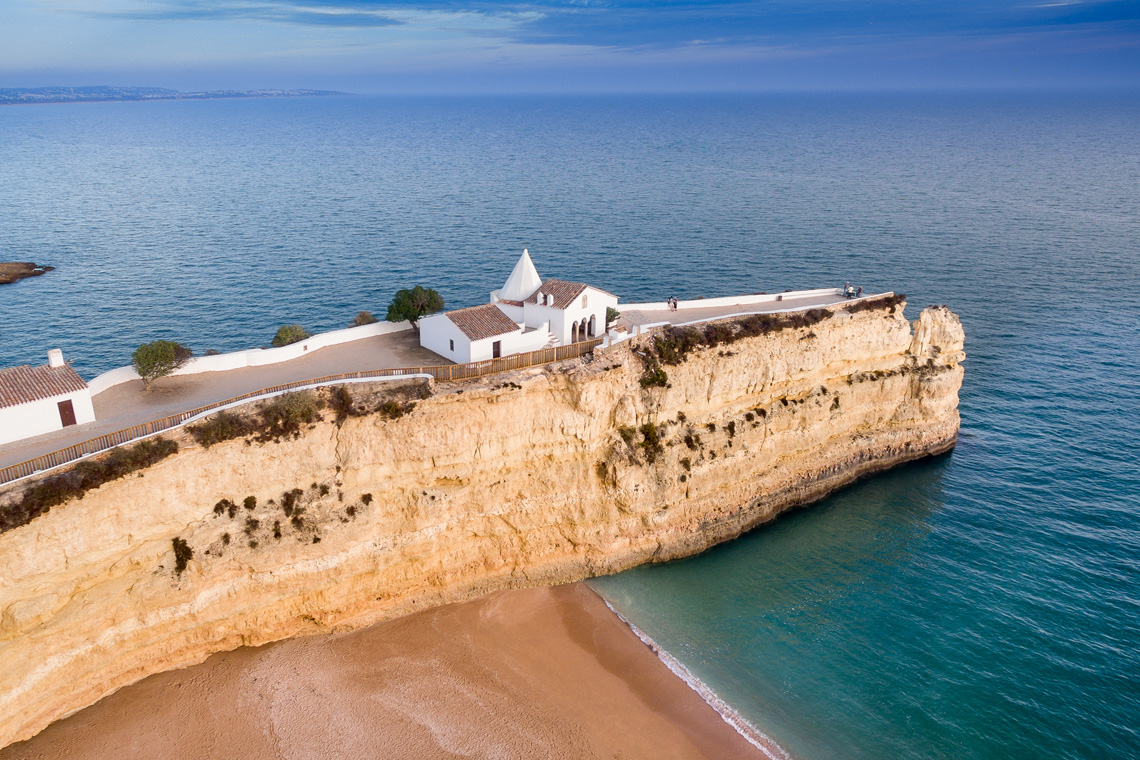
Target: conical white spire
(523, 281)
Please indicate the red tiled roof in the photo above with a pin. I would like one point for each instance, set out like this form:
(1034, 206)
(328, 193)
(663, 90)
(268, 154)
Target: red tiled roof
(509, 302)
(564, 292)
(24, 384)
(486, 321)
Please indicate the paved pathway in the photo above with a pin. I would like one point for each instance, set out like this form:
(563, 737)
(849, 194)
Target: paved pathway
(128, 404)
(681, 316)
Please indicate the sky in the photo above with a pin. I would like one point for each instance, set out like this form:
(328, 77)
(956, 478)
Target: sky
(477, 46)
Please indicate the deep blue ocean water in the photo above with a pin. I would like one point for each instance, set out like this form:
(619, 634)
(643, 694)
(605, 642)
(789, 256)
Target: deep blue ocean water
(985, 604)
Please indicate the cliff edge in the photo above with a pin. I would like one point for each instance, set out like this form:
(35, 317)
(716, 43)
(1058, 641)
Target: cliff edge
(655, 449)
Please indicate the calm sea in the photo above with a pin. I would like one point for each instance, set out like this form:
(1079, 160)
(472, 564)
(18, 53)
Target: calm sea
(982, 605)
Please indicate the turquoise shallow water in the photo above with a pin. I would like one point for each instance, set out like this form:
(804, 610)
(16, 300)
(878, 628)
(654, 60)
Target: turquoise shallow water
(983, 604)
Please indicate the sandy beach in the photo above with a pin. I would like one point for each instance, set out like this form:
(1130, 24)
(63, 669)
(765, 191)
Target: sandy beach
(530, 673)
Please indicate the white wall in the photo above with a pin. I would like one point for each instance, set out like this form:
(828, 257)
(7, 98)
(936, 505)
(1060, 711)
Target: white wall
(437, 331)
(528, 341)
(39, 417)
(733, 300)
(561, 320)
(112, 378)
(512, 343)
(536, 315)
(596, 304)
(258, 356)
(516, 313)
(481, 349)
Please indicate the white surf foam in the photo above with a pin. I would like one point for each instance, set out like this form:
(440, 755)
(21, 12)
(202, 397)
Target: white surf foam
(755, 736)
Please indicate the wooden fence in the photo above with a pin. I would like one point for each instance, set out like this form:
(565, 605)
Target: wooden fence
(444, 373)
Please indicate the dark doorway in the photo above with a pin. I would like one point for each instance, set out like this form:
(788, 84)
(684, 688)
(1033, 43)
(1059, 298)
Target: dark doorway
(66, 413)
(496, 349)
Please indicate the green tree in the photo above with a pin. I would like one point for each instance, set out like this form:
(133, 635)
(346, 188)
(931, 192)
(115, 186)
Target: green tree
(287, 334)
(158, 359)
(413, 304)
(612, 316)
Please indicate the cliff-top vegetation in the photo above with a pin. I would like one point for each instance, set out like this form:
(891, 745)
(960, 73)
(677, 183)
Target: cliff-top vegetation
(83, 477)
(673, 345)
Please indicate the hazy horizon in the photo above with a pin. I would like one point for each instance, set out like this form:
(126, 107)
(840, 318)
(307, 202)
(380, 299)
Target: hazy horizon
(571, 46)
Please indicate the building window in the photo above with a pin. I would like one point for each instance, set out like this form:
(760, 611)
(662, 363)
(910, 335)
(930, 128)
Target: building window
(452, 342)
(583, 302)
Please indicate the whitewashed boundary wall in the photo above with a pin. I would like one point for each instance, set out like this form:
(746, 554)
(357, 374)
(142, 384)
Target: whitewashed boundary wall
(256, 357)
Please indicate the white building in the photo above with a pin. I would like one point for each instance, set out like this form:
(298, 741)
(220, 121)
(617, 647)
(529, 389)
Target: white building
(37, 400)
(526, 314)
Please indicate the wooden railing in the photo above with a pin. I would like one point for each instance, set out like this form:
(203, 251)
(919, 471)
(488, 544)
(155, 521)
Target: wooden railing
(444, 373)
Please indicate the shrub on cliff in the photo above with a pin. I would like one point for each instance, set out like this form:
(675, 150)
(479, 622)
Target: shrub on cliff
(287, 334)
(884, 302)
(158, 359)
(654, 377)
(363, 318)
(674, 343)
(651, 442)
(393, 410)
(283, 417)
(719, 332)
(182, 554)
(342, 403)
(83, 477)
(223, 426)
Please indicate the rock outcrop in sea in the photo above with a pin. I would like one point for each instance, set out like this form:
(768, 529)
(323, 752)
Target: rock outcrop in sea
(11, 271)
(652, 450)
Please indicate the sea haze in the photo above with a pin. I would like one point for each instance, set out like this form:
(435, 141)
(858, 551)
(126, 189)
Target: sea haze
(980, 605)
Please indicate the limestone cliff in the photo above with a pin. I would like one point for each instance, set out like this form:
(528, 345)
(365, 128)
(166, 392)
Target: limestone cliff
(542, 476)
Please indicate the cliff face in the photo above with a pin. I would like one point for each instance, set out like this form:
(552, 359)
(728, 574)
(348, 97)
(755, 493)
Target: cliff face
(543, 476)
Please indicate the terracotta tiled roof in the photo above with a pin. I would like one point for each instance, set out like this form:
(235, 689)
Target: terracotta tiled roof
(23, 384)
(564, 292)
(509, 302)
(486, 321)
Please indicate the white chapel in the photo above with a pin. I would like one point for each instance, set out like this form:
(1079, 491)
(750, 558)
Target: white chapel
(526, 314)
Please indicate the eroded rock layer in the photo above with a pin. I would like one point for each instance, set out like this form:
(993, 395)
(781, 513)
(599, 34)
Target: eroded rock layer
(539, 477)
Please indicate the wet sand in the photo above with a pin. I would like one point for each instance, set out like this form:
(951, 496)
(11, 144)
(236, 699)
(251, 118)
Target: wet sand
(531, 673)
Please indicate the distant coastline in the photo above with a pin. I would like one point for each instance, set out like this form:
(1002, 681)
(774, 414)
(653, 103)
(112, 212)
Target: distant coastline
(29, 95)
